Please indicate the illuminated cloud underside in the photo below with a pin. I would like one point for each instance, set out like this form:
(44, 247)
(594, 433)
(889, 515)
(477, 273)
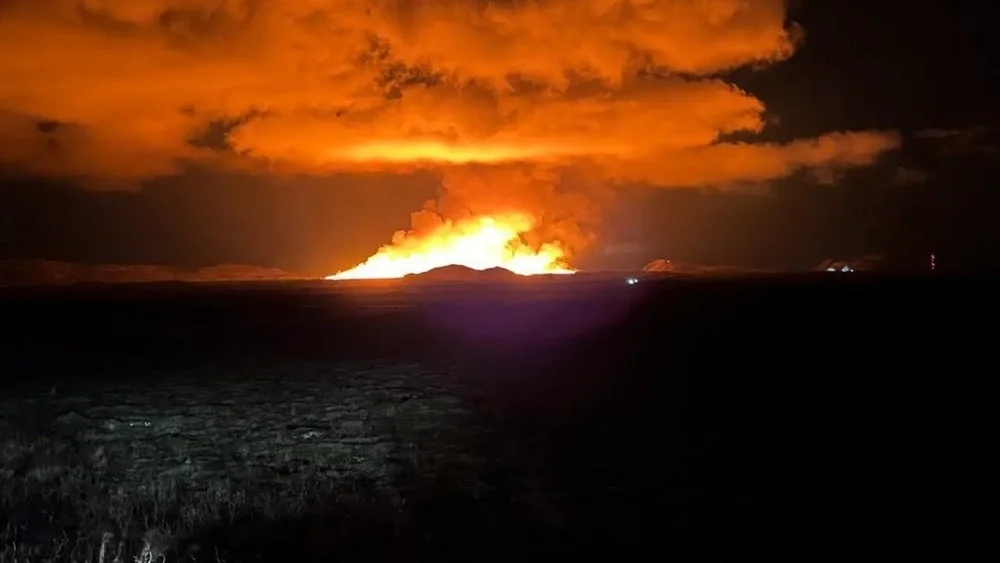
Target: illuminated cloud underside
(447, 153)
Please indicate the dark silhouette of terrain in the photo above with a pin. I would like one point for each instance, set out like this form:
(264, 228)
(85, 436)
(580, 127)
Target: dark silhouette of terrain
(665, 266)
(806, 418)
(456, 273)
(50, 272)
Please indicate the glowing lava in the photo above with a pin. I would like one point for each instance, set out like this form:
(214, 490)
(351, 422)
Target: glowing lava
(480, 244)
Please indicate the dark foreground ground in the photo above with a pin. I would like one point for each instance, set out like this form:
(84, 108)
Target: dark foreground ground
(808, 419)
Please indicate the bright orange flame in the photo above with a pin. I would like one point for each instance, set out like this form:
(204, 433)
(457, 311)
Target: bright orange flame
(480, 243)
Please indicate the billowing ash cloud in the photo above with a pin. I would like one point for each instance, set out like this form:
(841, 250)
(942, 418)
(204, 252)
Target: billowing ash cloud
(115, 91)
(626, 84)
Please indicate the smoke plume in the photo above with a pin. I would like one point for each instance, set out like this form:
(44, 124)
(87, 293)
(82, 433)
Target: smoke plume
(505, 96)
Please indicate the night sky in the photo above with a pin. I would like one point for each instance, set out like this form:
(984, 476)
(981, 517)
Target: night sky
(916, 68)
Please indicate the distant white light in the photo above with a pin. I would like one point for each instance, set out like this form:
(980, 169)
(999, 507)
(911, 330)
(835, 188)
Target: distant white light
(632, 281)
(831, 269)
(846, 269)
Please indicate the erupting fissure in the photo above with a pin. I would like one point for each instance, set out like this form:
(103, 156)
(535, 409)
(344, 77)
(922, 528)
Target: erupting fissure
(479, 243)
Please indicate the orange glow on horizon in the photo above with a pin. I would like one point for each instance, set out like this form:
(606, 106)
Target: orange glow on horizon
(534, 113)
(480, 243)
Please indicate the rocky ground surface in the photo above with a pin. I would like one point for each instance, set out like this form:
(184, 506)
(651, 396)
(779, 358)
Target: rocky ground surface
(177, 449)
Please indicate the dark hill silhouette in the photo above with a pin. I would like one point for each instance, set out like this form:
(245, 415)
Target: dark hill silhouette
(456, 273)
(51, 272)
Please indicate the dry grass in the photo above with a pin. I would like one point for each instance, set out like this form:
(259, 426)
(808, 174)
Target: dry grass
(59, 506)
(225, 467)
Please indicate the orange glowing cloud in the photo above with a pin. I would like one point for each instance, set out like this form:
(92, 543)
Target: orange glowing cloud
(530, 108)
(388, 84)
(479, 243)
